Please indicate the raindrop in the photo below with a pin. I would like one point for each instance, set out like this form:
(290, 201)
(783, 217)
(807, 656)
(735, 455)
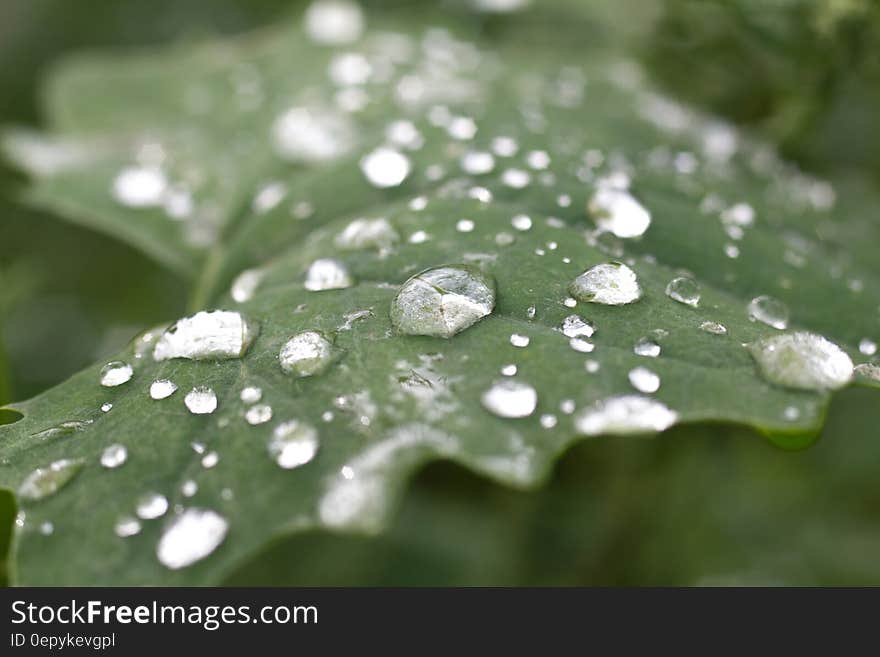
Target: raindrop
(646, 347)
(189, 488)
(115, 374)
(510, 399)
(210, 459)
(548, 421)
(334, 22)
(644, 380)
(867, 347)
(519, 340)
(575, 326)
(617, 211)
(140, 187)
(385, 167)
(581, 345)
(769, 311)
(684, 290)
(63, 429)
(127, 526)
(162, 389)
(213, 335)
(106, 407)
(245, 285)
(327, 274)
(201, 400)
(114, 456)
(592, 366)
(802, 360)
(443, 301)
(306, 354)
(259, 414)
(367, 234)
(43, 482)
(713, 327)
(151, 506)
(477, 163)
(251, 394)
(611, 283)
(516, 178)
(293, 444)
(509, 370)
(626, 414)
(192, 536)
(305, 135)
(464, 226)
(521, 222)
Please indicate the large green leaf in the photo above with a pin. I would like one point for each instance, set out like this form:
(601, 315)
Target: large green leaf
(389, 402)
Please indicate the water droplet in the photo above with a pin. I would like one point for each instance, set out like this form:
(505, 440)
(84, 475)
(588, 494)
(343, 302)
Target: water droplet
(306, 354)
(385, 167)
(714, 328)
(189, 488)
(334, 22)
(259, 414)
(114, 456)
(140, 187)
(214, 335)
(127, 526)
(684, 290)
(162, 389)
(210, 459)
(251, 394)
(464, 226)
(46, 481)
(521, 222)
(867, 347)
(245, 285)
(802, 360)
(868, 371)
(516, 178)
(548, 421)
(47, 528)
(538, 160)
(626, 414)
(518, 340)
(151, 506)
(192, 536)
(510, 399)
(509, 370)
(646, 347)
(201, 400)
(575, 326)
(477, 163)
(644, 380)
(443, 301)
(367, 234)
(581, 345)
(610, 283)
(307, 135)
(106, 407)
(617, 211)
(769, 311)
(328, 274)
(63, 429)
(293, 444)
(115, 374)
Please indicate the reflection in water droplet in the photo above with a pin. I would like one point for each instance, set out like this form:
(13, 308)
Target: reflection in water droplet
(714, 328)
(306, 354)
(151, 506)
(140, 187)
(575, 326)
(201, 400)
(327, 274)
(214, 335)
(644, 380)
(192, 536)
(245, 285)
(115, 374)
(610, 283)
(367, 234)
(114, 456)
(625, 415)
(617, 211)
(293, 444)
(510, 398)
(769, 311)
(684, 290)
(162, 389)
(802, 360)
(259, 414)
(443, 301)
(127, 526)
(385, 167)
(46, 481)
(646, 347)
(334, 22)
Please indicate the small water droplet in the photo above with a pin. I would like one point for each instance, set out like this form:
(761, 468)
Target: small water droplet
(189, 488)
(115, 374)
(617, 211)
(592, 366)
(581, 345)
(626, 414)
(644, 380)
(293, 444)
(443, 301)
(127, 526)
(802, 360)
(245, 285)
(312, 135)
(385, 167)
(684, 290)
(328, 274)
(867, 347)
(140, 187)
(509, 398)
(114, 456)
(610, 283)
(46, 481)
(47, 528)
(334, 22)
(192, 536)
(464, 226)
(259, 414)
(251, 394)
(575, 326)
(306, 354)
(713, 327)
(509, 370)
(548, 421)
(521, 222)
(162, 389)
(106, 407)
(516, 178)
(210, 459)
(151, 506)
(646, 347)
(360, 234)
(201, 400)
(769, 311)
(214, 335)
(519, 340)
(477, 163)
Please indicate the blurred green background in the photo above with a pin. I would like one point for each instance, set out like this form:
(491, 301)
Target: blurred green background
(702, 505)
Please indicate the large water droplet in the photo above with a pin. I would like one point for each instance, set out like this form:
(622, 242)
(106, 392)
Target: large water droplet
(43, 482)
(114, 456)
(192, 536)
(617, 211)
(214, 335)
(201, 400)
(334, 22)
(625, 415)
(151, 506)
(328, 274)
(443, 301)
(162, 389)
(802, 360)
(307, 135)
(644, 380)
(611, 283)
(385, 167)
(306, 354)
(115, 374)
(684, 290)
(510, 399)
(293, 444)
(769, 311)
(367, 234)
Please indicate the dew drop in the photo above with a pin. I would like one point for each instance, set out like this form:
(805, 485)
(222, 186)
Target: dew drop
(802, 360)
(140, 187)
(328, 274)
(713, 327)
(509, 370)
(611, 283)
(245, 285)
(443, 301)
(127, 526)
(115, 374)
(625, 414)
(521, 222)
(114, 456)
(519, 340)
(644, 380)
(548, 421)
(293, 444)
(207, 335)
(334, 22)
(464, 226)
(477, 163)
(151, 506)
(509, 398)
(646, 347)
(367, 234)
(259, 414)
(306, 354)
(769, 311)
(201, 400)
(867, 347)
(46, 481)
(684, 290)
(385, 167)
(575, 326)
(210, 459)
(162, 389)
(581, 345)
(192, 536)
(106, 407)
(617, 211)
(307, 135)
(516, 178)
(251, 394)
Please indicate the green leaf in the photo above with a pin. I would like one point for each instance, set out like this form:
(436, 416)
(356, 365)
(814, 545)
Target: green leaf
(386, 403)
